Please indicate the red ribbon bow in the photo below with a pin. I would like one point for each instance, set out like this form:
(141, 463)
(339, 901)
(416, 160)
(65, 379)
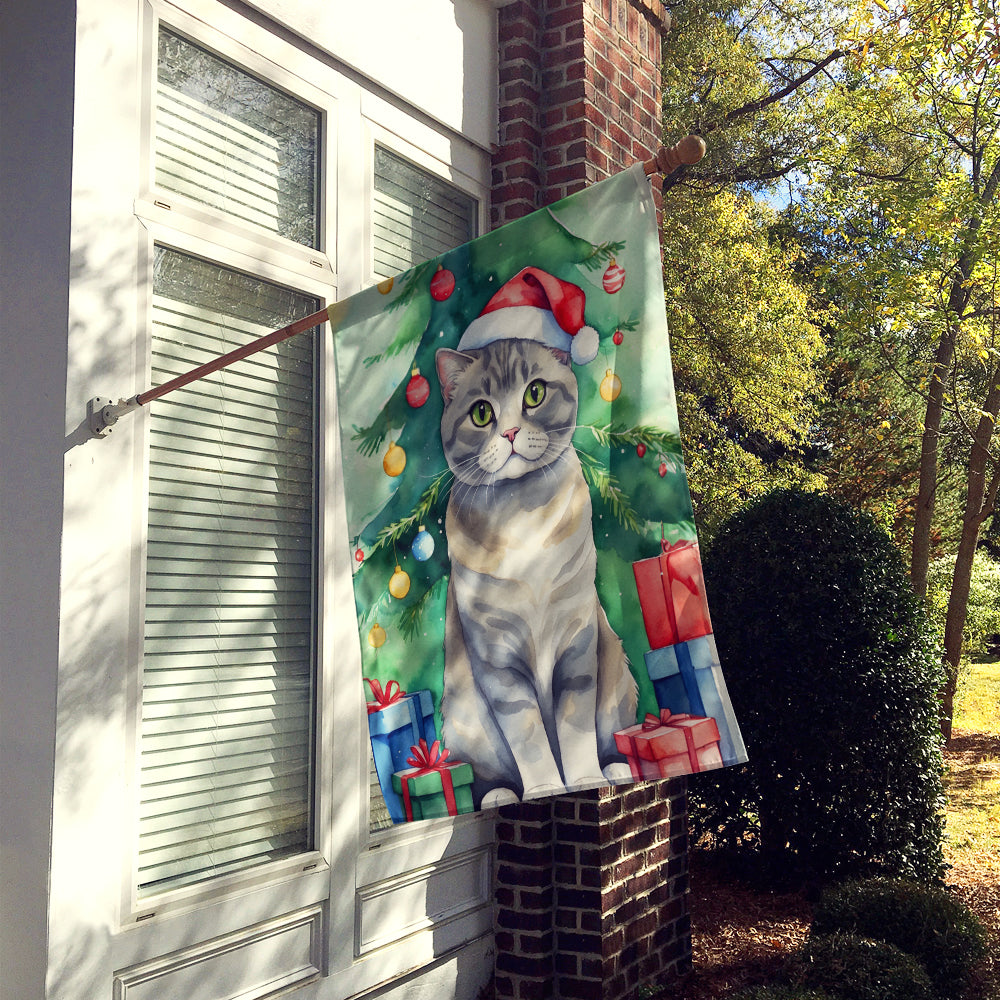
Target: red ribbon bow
(428, 758)
(383, 697)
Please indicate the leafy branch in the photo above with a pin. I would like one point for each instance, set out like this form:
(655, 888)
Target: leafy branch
(371, 437)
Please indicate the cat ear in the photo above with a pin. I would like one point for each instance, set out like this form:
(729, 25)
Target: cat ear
(450, 365)
(562, 356)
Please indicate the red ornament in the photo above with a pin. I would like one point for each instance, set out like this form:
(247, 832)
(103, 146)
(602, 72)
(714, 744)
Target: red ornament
(614, 278)
(418, 389)
(442, 284)
(618, 337)
(359, 555)
(663, 469)
(640, 449)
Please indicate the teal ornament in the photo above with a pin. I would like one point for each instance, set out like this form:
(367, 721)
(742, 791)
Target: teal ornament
(423, 545)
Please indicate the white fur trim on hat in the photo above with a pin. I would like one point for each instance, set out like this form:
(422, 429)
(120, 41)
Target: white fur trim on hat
(517, 323)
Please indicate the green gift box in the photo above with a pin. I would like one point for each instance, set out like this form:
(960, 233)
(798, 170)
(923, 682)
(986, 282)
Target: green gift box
(435, 786)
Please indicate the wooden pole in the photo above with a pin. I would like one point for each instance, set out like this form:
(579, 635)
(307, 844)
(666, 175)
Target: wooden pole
(104, 413)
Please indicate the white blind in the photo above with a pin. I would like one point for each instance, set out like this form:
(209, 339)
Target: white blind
(226, 139)
(415, 215)
(228, 677)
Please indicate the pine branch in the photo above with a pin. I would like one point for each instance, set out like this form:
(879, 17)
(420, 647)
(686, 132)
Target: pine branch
(430, 498)
(373, 436)
(601, 253)
(411, 618)
(611, 436)
(611, 492)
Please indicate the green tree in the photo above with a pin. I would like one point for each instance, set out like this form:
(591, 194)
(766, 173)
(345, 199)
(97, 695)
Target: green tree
(910, 181)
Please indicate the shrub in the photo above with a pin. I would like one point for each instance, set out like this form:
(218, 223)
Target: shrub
(833, 672)
(926, 922)
(982, 618)
(856, 968)
(782, 993)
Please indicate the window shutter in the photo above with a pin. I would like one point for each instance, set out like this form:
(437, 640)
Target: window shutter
(228, 657)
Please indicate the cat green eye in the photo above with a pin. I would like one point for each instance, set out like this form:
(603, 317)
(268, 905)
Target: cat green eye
(534, 394)
(481, 413)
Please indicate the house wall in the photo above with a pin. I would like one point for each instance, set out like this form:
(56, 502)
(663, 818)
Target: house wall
(36, 116)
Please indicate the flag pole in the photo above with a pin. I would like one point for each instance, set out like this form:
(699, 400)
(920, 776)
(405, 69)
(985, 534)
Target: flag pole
(103, 413)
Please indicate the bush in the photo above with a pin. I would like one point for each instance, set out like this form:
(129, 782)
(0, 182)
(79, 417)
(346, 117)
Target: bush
(982, 618)
(833, 672)
(925, 922)
(782, 993)
(856, 968)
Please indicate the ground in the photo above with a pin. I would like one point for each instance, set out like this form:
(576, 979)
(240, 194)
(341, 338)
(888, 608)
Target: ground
(741, 935)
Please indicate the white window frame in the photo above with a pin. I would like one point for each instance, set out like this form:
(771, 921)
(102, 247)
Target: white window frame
(351, 873)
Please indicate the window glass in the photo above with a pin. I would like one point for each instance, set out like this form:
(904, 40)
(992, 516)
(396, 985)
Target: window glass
(228, 140)
(415, 215)
(228, 679)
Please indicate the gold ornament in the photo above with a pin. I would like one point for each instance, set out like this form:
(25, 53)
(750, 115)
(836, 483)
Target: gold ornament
(376, 636)
(399, 584)
(385, 286)
(394, 461)
(611, 386)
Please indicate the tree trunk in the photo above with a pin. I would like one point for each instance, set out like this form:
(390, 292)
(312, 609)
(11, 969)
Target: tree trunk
(979, 501)
(920, 552)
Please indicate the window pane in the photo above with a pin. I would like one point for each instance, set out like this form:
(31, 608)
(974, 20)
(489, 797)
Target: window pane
(228, 140)
(416, 215)
(228, 658)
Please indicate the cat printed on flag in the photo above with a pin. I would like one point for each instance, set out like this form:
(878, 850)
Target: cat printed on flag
(530, 604)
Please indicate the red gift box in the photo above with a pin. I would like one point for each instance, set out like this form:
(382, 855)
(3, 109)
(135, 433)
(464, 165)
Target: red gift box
(667, 745)
(672, 595)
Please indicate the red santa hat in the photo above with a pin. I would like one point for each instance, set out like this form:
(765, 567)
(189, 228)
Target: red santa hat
(535, 305)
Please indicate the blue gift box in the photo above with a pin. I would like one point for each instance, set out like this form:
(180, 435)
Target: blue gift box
(687, 678)
(394, 729)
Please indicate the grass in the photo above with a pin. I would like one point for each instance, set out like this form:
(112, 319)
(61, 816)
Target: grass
(973, 783)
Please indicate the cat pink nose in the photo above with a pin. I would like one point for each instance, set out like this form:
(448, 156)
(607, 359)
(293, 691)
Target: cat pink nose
(510, 434)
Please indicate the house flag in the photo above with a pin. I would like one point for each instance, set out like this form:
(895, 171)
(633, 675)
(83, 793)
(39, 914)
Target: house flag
(530, 603)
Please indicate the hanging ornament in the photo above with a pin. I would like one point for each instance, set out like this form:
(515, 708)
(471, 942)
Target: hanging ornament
(394, 460)
(359, 555)
(386, 286)
(423, 545)
(376, 637)
(442, 284)
(399, 584)
(663, 469)
(418, 389)
(618, 338)
(614, 278)
(640, 449)
(611, 386)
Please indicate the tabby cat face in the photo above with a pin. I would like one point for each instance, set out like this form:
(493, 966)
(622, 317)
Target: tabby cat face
(510, 409)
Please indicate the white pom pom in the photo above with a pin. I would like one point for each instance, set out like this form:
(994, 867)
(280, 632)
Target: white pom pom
(586, 341)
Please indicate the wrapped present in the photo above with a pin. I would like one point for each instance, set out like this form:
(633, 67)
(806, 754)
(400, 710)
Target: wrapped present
(396, 722)
(687, 678)
(433, 786)
(667, 745)
(672, 595)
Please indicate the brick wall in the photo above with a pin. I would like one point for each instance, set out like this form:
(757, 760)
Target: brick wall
(579, 96)
(591, 889)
